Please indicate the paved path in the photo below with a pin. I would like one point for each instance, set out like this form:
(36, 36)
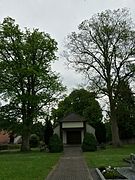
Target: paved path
(71, 166)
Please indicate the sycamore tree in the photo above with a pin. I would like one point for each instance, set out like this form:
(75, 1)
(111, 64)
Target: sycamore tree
(26, 79)
(101, 49)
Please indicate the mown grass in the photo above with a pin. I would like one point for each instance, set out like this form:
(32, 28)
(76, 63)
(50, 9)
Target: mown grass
(26, 166)
(109, 157)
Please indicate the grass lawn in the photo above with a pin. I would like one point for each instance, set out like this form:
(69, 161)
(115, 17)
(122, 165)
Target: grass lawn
(109, 157)
(26, 166)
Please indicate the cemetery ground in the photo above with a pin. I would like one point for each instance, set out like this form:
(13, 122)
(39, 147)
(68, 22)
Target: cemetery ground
(109, 156)
(37, 165)
(26, 166)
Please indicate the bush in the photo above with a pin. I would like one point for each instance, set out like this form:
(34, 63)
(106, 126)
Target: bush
(14, 146)
(34, 141)
(4, 146)
(102, 146)
(89, 143)
(55, 144)
(9, 146)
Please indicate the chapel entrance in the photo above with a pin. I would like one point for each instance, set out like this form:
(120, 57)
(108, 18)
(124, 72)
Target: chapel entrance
(73, 137)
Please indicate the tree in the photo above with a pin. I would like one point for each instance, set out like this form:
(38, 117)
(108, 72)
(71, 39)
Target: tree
(38, 129)
(48, 131)
(81, 102)
(102, 50)
(125, 108)
(10, 118)
(26, 78)
(100, 132)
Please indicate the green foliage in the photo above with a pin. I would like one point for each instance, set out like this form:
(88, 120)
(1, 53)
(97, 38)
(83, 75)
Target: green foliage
(27, 82)
(100, 132)
(125, 110)
(55, 144)
(13, 146)
(81, 102)
(48, 131)
(8, 118)
(9, 146)
(34, 140)
(4, 147)
(38, 129)
(89, 143)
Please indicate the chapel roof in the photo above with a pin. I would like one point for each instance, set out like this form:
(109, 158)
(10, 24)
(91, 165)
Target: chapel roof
(73, 117)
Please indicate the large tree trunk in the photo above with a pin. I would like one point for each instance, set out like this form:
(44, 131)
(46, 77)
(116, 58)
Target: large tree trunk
(114, 126)
(25, 139)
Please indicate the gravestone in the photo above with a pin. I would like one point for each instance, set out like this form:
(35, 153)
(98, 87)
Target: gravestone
(129, 172)
(132, 157)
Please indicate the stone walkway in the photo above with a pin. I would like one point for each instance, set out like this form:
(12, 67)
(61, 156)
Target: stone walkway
(71, 166)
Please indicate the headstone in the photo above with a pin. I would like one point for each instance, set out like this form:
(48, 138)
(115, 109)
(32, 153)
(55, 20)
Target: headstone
(132, 157)
(129, 172)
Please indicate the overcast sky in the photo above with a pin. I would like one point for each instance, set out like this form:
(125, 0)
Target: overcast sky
(59, 18)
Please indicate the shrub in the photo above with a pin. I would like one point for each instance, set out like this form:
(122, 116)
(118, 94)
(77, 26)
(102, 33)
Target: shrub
(34, 140)
(102, 146)
(9, 146)
(3, 146)
(89, 143)
(14, 146)
(55, 144)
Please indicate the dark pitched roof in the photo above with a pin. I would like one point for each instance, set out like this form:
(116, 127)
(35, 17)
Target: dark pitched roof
(73, 118)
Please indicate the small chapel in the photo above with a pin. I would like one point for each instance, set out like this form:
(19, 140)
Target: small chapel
(71, 129)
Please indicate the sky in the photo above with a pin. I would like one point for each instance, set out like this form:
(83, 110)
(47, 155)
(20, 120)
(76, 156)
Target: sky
(59, 18)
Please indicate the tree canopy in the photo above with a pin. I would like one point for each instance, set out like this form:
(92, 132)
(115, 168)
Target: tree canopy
(82, 102)
(103, 50)
(26, 79)
(125, 110)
